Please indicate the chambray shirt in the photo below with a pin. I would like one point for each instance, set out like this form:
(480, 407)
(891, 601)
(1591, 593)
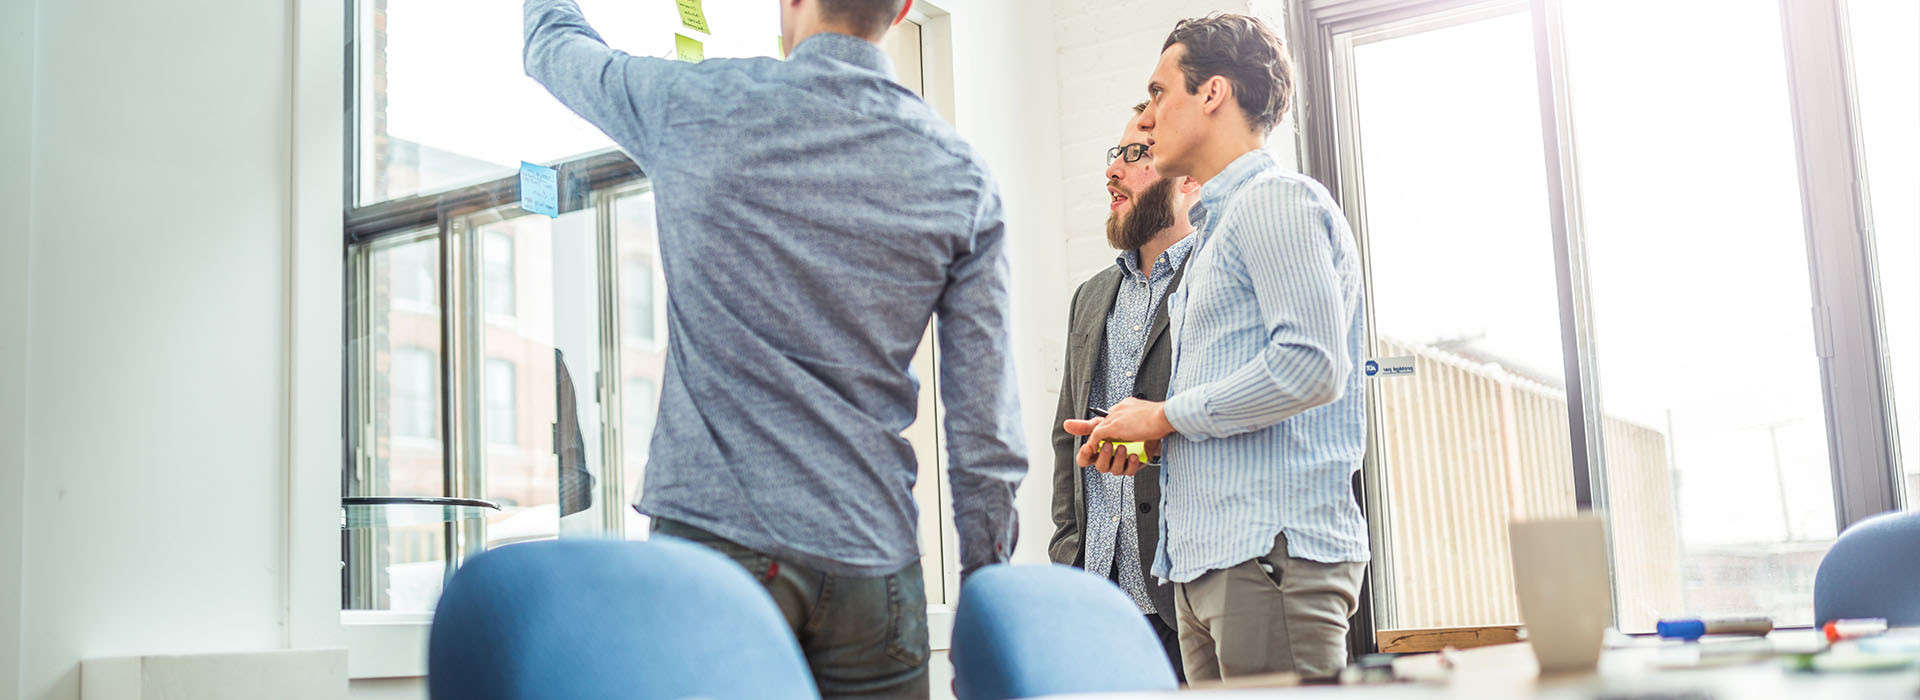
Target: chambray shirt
(812, 214)
(1112, 523)
(1265, 395)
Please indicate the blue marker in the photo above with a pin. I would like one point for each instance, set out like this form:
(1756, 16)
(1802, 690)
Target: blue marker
(1694, 628)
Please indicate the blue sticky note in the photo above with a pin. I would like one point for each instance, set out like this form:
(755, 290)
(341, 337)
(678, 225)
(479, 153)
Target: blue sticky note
(539, 189)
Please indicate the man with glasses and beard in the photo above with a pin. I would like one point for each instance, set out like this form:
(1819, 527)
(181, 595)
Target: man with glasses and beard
(1117, 348)
(1266, 424)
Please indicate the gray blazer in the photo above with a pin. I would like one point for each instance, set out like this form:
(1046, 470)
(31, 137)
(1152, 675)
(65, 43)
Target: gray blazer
(1086, 338)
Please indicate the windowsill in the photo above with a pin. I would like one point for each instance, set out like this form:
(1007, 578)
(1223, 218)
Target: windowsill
(385, 643)
(388, 644)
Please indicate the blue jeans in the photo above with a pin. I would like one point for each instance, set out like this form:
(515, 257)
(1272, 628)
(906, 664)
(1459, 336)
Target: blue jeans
(863, 637)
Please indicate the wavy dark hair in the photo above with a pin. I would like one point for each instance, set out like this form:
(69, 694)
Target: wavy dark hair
(868, 17)
(1247, 53)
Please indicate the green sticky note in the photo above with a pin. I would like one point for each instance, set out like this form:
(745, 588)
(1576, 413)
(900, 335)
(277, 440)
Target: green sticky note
(691, 16)
(688, 49)
(1139, 449)
(780, 46)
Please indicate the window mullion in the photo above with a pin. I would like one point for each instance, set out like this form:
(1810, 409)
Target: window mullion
(461, 391)
(612, 389)
(1585, 416)
(1845, 315)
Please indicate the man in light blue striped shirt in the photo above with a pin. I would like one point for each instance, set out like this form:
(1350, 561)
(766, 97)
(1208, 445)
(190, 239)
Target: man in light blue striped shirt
(1265, 424)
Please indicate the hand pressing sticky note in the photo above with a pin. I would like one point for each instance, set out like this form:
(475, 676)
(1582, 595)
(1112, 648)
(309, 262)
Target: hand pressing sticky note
(688, 49)
(692, 16)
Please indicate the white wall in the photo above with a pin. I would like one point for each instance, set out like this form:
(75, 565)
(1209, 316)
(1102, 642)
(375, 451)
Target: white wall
(155, 465)
(16, 198)
(1106, 51)
(1005, 101)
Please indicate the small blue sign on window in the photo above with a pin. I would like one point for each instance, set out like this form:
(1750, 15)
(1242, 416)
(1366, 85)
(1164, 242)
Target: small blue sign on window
(539, 189)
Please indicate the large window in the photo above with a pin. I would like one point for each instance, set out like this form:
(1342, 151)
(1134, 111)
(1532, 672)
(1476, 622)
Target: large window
(1461, 270)
(442, 100)
(1886, 69)
(1700, 294)
(497, 354)
(1586, 222)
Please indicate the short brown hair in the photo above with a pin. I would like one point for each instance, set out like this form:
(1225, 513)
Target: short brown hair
(1245, 52)
(1140, 108)
(866, 17)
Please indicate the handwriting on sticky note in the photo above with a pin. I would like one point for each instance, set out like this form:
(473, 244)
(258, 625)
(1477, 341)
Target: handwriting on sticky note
(688, 49)
(691, 16)
(539, 189)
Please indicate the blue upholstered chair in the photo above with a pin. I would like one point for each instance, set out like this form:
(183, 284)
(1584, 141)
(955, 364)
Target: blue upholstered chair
(607, 619)
(1873, 570)
(1023, 631)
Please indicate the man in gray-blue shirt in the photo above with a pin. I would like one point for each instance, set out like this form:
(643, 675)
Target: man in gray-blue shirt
(813, 215)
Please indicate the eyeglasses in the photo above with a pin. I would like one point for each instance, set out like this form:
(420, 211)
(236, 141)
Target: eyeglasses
(1132, 152)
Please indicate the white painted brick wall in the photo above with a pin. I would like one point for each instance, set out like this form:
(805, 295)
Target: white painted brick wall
(1107, 48)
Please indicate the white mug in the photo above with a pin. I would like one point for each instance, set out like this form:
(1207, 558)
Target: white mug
(1561, 573)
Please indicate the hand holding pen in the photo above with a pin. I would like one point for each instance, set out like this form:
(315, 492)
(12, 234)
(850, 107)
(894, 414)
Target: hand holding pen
(1108, 456)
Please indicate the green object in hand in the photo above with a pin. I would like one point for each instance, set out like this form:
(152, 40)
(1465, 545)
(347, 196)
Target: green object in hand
(1138, 448)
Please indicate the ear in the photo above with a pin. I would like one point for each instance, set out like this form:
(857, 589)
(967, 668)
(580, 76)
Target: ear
(902, 17)
(1188, 186)
(1217, 91)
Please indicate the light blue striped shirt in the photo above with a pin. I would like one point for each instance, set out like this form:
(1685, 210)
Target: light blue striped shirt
(1265, 395)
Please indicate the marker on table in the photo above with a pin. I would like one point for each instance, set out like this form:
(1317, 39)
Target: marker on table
(1837, 630)
(1694, 628)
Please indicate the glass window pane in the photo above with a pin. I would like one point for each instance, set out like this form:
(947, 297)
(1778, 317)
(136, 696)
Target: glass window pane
(502, 412)
(1700, 299)
(443, 99)
(643, 349)
(498, 254)
(546, 359)
(636, 298)
(1459, 251)
(395, 362)
(1886, 75)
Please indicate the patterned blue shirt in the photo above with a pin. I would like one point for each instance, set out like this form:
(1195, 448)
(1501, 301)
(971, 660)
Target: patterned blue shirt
(813, 214)
(1112, 522)
(1265, 393)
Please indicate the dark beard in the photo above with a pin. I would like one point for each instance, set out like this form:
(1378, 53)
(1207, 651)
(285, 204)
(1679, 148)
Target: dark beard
(1152, 213)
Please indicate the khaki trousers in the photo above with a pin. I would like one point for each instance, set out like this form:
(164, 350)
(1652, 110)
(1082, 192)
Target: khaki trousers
(1245, 621)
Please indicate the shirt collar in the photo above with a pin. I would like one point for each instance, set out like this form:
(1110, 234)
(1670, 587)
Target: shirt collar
(846, 49)
(1224, 185)
(1170, 259)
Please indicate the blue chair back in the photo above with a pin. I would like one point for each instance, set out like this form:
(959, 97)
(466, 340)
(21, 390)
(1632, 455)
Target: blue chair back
(606, 619)
(1873, 570)
(1024, 631)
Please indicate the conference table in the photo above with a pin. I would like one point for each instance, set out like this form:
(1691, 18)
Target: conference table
(1643, 669)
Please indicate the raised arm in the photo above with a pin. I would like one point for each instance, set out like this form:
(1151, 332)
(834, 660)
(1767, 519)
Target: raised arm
(1284, 237)
(623, 95)
(986, 453)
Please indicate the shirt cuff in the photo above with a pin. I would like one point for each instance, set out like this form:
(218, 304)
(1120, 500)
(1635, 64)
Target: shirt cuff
(1187, 411)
